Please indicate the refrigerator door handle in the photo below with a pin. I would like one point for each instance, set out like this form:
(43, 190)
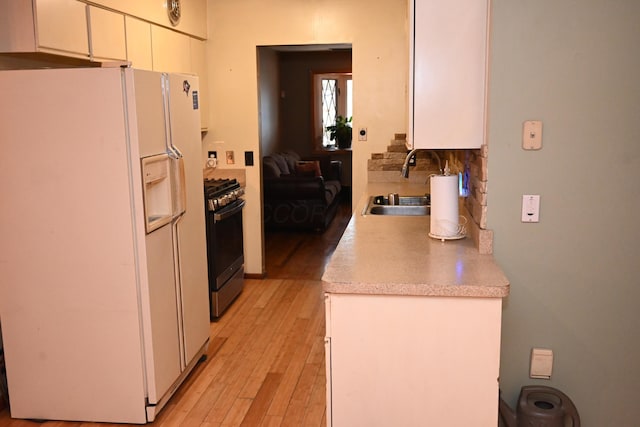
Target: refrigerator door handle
(173, 151)
(175, 230)
(178, 187)
(171, 148)
(176, 149)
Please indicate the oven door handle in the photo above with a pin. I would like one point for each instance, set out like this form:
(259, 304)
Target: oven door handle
(227, 213)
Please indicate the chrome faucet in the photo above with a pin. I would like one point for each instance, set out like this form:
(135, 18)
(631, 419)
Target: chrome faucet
(405, 165)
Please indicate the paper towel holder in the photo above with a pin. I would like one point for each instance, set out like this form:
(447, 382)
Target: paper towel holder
(461, 232)
(446, 223)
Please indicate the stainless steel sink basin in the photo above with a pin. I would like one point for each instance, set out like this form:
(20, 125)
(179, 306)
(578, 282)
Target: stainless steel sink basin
(407, 206)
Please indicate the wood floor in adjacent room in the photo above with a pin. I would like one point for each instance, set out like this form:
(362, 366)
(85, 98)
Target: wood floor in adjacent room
(265, 364)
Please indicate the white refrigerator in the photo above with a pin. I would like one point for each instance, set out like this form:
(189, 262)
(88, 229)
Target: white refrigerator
(103, 270)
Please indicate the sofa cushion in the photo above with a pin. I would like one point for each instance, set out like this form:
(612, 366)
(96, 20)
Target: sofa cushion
(270, 168)
(291, 157)
(331, 190)
(282, 163)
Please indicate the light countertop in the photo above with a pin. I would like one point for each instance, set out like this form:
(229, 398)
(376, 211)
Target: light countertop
(393, 255)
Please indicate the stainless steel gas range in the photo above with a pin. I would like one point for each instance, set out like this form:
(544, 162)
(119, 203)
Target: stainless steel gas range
(225, 250)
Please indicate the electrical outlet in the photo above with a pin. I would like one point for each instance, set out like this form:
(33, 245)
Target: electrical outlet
(230, 158)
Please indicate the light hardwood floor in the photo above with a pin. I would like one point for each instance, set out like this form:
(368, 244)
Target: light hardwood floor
(265, 364)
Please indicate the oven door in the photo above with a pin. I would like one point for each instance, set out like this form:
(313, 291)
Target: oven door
(225, 249)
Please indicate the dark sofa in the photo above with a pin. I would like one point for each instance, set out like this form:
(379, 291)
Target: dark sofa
(300, 194)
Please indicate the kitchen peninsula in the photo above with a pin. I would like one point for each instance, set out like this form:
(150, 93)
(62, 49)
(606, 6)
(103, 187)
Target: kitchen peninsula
(413, 324)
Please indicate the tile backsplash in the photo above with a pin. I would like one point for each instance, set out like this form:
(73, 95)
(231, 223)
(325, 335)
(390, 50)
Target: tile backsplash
(472, 164)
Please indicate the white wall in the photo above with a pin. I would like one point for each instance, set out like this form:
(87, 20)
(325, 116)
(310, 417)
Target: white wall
(378, 34)
(575, 276)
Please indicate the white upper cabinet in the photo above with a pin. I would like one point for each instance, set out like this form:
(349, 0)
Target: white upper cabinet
(199, 67)
(171, 51)
(193, 13)
(447, 100)
(51, 26)
(107, 35)
(139, 43)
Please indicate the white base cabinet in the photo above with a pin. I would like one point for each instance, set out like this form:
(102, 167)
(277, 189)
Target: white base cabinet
(412, 361)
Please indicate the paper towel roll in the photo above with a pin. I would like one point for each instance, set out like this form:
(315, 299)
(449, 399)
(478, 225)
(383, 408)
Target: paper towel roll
(444, 206)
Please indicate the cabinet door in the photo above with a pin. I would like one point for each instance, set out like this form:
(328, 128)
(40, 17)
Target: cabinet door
(193, 20)
(412, 361)
(62, 26)
(448, 73)
(171, 50)
(139, 43)
(199, 67)
(107, 34)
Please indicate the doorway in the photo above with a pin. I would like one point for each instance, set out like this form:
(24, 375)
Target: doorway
(287, 121)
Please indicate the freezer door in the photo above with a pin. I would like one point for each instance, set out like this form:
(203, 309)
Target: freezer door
(149, 112)
(165, 358)
(185, 137)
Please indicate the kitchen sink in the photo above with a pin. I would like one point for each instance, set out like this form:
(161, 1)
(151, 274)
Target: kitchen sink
(406, 206)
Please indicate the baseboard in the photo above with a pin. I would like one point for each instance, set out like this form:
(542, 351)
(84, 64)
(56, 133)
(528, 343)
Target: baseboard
(255, 276)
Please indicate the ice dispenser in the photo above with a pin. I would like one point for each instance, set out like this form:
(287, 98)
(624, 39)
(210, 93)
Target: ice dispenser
(156, 175)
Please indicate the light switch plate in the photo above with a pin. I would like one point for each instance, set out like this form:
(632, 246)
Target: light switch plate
(532, 135)
(531, 208)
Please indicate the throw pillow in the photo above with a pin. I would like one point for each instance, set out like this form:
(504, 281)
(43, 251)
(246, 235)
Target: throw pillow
(308, 168)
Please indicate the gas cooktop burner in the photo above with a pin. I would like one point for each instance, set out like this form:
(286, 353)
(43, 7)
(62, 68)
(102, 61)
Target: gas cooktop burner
(214, 187)
(220, 193)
